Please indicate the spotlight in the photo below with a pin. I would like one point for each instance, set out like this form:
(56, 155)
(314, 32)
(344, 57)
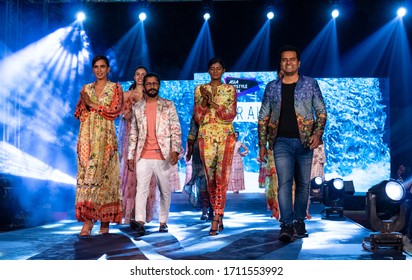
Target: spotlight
(207, 8)
(206, 16)
(386, 214)
(270, 9)
(80, 16)
(316, 189)
(401, 12)
(142, 16)
(333, 197)
(143, 7)
(335, 13)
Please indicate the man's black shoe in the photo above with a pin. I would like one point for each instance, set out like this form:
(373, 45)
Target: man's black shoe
(286, 233)
(300, 229)
(138, 227)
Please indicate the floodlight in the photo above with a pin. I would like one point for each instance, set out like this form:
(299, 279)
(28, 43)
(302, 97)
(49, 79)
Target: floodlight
(316, 189)
(206, 16)
(333, 197)
(142, 16)
(401, 12)
(335, 13)
(207, 8)
(386, 214)
(143, 8)
(80, 16)
(270, 9)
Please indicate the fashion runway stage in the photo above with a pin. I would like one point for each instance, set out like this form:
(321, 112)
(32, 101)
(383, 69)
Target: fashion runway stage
(249, 234)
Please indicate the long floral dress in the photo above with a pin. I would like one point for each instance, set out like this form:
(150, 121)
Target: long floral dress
(270, 182)
(98, 194)
(128, 177)
(237, 176)
(216, 140)
(196, 186)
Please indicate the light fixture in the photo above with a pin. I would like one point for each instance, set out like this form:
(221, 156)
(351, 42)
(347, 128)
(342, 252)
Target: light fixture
(386, 214)
(401, 12)
(142, 16)
(333, 197)
(316, 189)
(143, 8)
(207, 8)
(270, 9)
(80, 16)
(335, 5)
(206, 16)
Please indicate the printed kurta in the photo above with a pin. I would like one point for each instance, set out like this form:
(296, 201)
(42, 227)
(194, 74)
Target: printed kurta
(196, 186)
(98, 195)
(216, 139)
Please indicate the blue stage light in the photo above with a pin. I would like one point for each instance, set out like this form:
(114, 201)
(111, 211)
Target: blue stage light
(401, 12)
(142, 16)
(81, 16)
(333, 197)
(207, 9)
(385, 210)
(335, 13)
(206, 16)
(270, 15)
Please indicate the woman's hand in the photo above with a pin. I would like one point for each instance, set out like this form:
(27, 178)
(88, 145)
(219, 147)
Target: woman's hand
(205, 96)
(86, 99)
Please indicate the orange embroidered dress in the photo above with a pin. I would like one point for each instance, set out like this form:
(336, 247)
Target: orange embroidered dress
(216, 138)
(98, 195)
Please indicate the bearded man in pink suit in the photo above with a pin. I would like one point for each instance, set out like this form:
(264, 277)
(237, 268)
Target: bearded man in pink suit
(155, 137)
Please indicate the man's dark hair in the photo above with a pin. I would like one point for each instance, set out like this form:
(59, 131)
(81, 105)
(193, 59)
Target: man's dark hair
(148, 75)
(289, 48)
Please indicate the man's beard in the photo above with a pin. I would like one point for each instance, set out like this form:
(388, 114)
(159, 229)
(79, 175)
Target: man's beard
(152, 93)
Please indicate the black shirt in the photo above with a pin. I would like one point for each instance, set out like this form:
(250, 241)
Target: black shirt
(288, 125)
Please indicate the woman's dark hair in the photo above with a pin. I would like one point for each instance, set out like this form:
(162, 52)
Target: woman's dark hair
(133, 86)
(100, 57)
(216, 60)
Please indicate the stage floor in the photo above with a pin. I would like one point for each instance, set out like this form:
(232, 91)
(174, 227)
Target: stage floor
(249, 234)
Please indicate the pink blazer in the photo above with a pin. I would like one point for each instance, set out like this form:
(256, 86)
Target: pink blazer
(168, 131)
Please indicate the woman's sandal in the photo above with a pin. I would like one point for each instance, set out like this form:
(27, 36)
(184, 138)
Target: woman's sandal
(221, 227)
(104, 228)
(86, 229)
(214, 231)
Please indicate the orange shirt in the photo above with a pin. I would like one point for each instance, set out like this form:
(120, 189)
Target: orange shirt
(151, 149)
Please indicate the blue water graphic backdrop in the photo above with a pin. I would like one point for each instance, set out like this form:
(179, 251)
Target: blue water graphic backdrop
(357, 132)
